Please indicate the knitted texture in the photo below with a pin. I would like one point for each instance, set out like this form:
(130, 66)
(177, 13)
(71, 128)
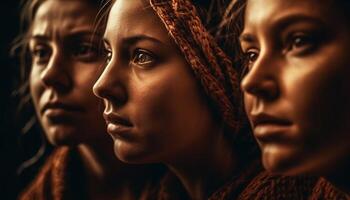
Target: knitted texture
(210, 65)
(54, 179)
(266, 186)
(172, 189)
(323, 190)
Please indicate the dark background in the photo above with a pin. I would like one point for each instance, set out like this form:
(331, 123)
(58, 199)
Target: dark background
(8, 135)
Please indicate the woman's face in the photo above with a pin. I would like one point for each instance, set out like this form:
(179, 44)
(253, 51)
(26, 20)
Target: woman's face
(65, 65)
(297, 89)
(154, 109)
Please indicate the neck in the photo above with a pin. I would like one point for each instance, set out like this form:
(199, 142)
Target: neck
(207, 170)
(107, 177)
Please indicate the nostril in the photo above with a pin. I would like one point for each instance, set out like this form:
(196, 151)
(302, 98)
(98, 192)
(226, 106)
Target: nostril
(266, 89)
(115, 93)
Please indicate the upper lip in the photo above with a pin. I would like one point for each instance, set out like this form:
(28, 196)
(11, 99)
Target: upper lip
(263, 118)
(115, 118)
(273, 134)
(61, 105)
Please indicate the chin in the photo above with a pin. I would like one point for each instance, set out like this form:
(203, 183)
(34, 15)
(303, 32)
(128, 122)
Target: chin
(282, 161)
(130, 153)
(63, 136)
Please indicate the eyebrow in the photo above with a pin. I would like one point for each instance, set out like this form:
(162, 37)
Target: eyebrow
(77, 34)
(285, 21)
(280, 24)
(247, 37)
(129, 41)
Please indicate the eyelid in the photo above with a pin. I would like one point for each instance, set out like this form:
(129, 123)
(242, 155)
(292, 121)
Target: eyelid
(138, 51)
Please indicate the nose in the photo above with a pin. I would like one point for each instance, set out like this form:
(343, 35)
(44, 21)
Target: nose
(56, 74)
(112, 84)
(261, 81)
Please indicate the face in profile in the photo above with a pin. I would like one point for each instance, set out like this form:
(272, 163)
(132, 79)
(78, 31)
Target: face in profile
(296, 90)
(65, 65)
(153, 106)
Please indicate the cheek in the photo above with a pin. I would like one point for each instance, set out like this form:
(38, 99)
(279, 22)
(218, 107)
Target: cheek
(84, 79)
(152, 103)
(321, 95)
(35, 86)
(168, 106)
(248, 103)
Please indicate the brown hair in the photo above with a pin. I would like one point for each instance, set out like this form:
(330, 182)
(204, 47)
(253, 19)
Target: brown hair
(25, 110)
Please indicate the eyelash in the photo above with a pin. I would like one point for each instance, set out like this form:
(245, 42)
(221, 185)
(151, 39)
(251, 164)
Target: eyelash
(136, 57)
(108, 54)
(86, 52)
(40, 53)
(297, 44)
(300, 43)
(143, 58)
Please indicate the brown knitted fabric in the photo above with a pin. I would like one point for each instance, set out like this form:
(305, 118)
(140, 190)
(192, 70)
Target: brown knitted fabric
(172, 189)
(219, 79)
(237, 184)
(324, 190)
(54, 181)
(209, 63)
(266, 186)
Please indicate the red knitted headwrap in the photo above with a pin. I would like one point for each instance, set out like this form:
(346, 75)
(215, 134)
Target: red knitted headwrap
(210, 64)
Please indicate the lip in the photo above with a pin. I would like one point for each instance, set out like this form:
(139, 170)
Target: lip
(117, 125)
(58, 107)
(271, 129)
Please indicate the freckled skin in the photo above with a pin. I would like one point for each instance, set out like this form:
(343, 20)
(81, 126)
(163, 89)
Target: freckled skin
(299, 72)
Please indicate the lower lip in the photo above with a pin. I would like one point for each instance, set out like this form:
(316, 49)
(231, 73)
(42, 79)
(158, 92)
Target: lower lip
(118, 131)
(269, 129)
(53, 113)
(58, 111)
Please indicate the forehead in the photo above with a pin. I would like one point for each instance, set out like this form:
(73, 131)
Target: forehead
(269, 11)
(134, 17)
(63, 15)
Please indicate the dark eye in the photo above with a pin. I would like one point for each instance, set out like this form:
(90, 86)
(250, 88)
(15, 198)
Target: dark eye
(40, 53)
(250, 56)
(143, 58)
(85, 52)
(301, 43)
(108, 56)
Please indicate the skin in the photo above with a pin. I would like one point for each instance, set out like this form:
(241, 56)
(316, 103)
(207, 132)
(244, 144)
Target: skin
(149, 84)
(65, 65)
(298, 67)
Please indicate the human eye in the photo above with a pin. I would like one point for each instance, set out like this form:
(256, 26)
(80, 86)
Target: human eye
(108, 55)
(249, 57)
(40, 53)
(143, 58)
(301, 43)
(86, 52)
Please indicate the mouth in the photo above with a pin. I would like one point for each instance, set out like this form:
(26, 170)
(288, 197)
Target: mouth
(117, 125)
(58, 107)
(270, 129)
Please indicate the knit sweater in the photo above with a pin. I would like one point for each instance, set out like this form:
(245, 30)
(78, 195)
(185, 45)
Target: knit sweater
(59, 178)
(252, 183)
(324, 190)
(62, 178)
